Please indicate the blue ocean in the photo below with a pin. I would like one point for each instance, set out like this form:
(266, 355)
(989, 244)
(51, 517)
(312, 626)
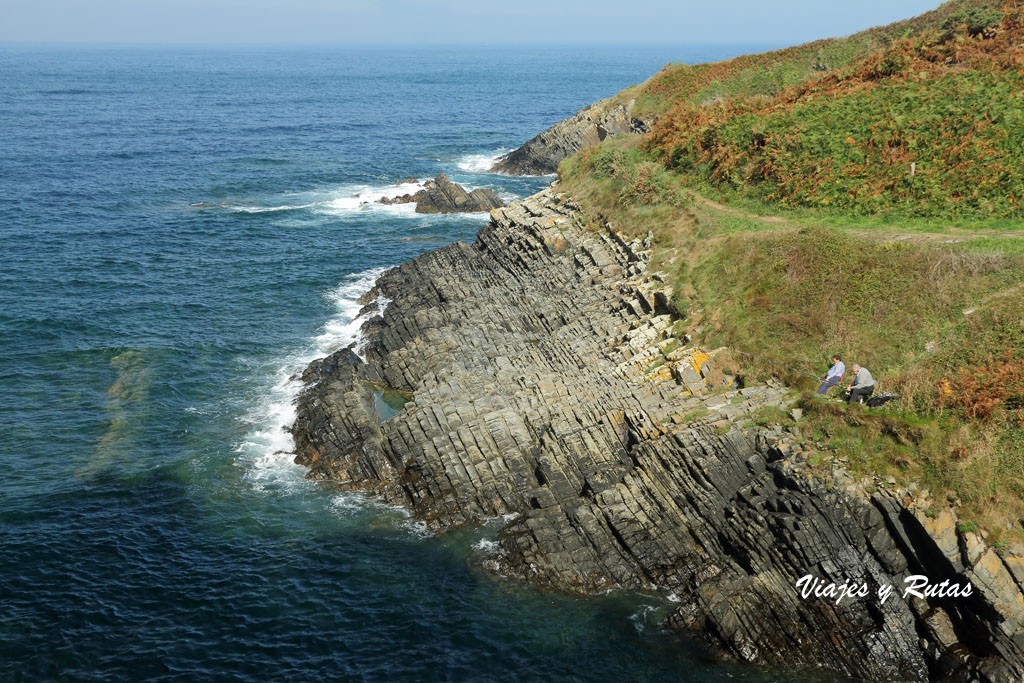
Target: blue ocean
(183, 230)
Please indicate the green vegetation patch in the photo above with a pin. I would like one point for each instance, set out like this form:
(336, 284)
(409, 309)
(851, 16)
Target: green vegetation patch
(872, 190)
(812, 291)
(769, 74)
(951, 146)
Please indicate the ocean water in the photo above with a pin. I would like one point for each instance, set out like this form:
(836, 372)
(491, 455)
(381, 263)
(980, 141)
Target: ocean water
(182, 231)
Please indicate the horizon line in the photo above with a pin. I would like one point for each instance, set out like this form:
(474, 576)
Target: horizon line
(206, 44)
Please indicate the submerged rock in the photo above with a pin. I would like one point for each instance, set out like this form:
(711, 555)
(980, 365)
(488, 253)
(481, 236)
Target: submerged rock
(403, 199)
(543, 385)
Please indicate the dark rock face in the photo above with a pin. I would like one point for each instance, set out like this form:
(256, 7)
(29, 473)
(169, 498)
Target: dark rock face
(403, 199)
(588, 127)
(544, 387)
(444, 196)
(441, 195)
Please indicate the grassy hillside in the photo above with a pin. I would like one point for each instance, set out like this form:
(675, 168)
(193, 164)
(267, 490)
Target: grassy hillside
(929, 125)
(793, 226)
(771, 73)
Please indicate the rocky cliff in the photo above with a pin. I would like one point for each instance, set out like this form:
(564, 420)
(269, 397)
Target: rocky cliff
(534, 374)
(588, 127)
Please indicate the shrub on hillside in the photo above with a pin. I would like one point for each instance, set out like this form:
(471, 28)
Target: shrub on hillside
(640, 181)
(984, 386)
(925, 126)
(979, 22)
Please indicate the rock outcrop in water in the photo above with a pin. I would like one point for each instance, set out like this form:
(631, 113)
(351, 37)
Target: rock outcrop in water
(441, 195)
(586, 128)
(541, 382)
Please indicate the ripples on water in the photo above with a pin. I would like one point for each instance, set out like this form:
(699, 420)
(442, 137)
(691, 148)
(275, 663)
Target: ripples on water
(183, 232)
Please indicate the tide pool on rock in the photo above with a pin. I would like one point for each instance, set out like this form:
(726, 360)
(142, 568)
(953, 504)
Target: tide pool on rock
(184, 231)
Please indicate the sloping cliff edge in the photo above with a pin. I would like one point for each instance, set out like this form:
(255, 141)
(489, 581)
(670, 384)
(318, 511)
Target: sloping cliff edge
(540, 382)
(588, 127)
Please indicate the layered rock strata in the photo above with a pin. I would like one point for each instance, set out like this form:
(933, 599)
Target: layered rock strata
(543, 381)
(441, 195)
(588, 127)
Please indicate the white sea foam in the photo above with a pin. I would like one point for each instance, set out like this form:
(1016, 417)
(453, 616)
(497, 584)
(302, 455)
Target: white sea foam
(483, 163)
(350, 503)
(353, 199)
(267, 450)
(416, 527)
(480, 163)
(486, 546)
(335, 201)
(364, 198)
(642, 617)
(269, 209)
(501, 520)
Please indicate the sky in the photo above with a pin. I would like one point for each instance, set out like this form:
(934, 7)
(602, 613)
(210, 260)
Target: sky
(318, 22)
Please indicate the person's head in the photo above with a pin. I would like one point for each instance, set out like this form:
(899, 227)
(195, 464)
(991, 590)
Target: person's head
(855, 368)
(836, 358)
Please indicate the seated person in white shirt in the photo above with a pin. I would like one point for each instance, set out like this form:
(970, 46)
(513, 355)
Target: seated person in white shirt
(863, 385)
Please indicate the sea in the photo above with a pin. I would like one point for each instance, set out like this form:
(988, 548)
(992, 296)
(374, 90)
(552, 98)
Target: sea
(182, 230)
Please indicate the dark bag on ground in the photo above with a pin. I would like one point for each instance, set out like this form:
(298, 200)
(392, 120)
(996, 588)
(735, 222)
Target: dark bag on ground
(881, 400)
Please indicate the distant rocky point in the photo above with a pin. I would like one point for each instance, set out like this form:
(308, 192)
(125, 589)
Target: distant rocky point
(441, 195)
(588, 127)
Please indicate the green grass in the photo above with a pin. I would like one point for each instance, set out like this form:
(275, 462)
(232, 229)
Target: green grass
(853, 153)
(801, 292)
(796, 292)
(769, 415)
(986, 483)
(604, 181)
(695, 414)
(883, 222)
(724, 223)
(1007, 246)
(827, 244)
(922, 118)
(771, 73)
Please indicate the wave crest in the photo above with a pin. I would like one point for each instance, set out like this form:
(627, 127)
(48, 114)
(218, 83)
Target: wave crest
(267, 450)
(342, 200)
(480, 162)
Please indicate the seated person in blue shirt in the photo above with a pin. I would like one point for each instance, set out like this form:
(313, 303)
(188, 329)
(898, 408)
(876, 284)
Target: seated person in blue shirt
(834, 376)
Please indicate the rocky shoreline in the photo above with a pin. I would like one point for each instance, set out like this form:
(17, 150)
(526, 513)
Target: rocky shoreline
(537, 374)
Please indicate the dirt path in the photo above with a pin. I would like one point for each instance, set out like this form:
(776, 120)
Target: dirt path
(730, 211)
(952, 234)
